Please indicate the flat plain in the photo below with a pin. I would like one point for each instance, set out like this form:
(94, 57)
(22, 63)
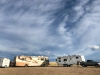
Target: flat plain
(52, 69)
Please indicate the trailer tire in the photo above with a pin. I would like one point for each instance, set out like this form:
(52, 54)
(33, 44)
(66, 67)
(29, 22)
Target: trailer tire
(69, 65)
(26, 65)
(96, 66)
(45, 65)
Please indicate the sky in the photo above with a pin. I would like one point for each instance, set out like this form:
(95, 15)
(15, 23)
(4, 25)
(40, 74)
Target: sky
(50, 27)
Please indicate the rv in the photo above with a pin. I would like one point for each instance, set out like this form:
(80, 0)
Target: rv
(4, 62)
(69, 60)
(31, 61)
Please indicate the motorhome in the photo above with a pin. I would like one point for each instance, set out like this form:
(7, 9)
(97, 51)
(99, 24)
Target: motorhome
(69, 60)
(31, 61)
(4, 62)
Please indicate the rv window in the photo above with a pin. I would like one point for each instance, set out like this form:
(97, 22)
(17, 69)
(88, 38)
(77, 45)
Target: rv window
(76, 57)
(42, 58)
(18, 57)
(23, 58)
(59, 60)
(65, 59)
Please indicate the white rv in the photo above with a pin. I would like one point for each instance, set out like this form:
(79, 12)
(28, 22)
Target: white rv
(69, 60)
(31, 61)
(4, 62)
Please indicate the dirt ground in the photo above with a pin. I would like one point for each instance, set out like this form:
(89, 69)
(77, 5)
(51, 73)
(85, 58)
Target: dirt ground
(50, 71)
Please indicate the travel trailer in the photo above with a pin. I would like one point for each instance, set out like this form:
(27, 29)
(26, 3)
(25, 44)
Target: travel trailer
(4, 62)
(69, 60)
(31, 61)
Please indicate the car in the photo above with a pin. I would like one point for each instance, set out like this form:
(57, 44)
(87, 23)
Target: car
(90, 63)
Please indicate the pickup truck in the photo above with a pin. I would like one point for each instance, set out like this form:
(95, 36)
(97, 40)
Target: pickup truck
(90, 63)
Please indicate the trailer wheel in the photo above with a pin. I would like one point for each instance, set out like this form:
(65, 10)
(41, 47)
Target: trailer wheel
(69, 65)
(26, 65)
(46, 65)
(96, 66)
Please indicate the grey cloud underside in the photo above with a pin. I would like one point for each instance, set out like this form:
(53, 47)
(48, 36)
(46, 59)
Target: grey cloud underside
(52, 27)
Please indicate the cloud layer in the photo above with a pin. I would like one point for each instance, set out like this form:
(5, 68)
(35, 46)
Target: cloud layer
(52, 28)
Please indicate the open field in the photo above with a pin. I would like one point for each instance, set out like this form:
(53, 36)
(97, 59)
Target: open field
(50, 71)
(53, 64)
(54, 70)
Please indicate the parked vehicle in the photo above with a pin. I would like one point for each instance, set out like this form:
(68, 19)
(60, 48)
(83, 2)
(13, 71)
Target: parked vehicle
(4, 62)
(30, 61)
(90, 63)
(69, 60)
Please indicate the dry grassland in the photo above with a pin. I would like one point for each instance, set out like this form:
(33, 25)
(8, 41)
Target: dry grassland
(54, 70)
(53, 64)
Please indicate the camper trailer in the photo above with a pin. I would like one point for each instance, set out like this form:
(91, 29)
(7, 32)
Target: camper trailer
(69, 60)
(31, 61)
(4, 62)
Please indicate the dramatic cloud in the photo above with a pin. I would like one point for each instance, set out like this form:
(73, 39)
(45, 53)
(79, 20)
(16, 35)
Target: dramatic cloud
(51, 28)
